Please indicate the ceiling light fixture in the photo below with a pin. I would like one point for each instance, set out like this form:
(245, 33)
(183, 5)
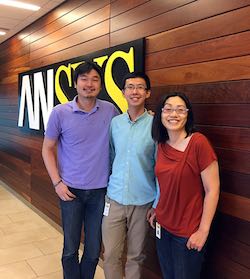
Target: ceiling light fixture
(21, 5)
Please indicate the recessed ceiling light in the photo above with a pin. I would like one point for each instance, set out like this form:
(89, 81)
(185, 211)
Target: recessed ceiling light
(2, 33)
(21, 5)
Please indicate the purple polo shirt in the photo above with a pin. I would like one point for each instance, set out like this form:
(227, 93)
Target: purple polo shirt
(83, 143)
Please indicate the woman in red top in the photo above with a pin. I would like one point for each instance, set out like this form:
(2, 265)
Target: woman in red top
(188, 176)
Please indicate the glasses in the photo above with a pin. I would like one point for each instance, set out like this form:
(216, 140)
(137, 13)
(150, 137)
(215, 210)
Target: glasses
(178, 110)
(138, 87)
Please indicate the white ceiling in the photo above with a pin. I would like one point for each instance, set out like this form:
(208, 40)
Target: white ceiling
(15, 19)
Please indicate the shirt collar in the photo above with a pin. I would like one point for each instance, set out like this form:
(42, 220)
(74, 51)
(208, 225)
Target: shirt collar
(141, 117)
(76, 108)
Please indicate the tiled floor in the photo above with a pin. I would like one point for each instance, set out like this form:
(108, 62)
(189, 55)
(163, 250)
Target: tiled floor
(30, 247)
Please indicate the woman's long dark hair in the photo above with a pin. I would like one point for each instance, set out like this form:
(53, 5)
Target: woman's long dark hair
(159, 132)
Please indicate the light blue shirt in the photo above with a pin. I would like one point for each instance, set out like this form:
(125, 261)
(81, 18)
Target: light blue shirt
(132, 181)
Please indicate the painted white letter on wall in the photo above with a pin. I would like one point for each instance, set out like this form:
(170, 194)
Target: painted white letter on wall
(34, 100)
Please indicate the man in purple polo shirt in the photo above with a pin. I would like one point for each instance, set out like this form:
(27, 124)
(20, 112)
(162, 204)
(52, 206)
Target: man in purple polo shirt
(79, 172)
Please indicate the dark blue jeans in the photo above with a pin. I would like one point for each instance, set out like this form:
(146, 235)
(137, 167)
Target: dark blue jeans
(176, 261)
(85, 210)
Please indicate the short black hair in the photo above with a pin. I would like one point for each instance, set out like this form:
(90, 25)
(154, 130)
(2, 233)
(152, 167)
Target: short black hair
(137, 75)
(86, 67)
(159, 132)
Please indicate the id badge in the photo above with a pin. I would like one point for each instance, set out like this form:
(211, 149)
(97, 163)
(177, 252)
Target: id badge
(158, 230)
(106, 209)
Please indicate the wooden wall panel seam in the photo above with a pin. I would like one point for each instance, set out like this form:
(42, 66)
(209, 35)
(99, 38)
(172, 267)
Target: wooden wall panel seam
(136, 20)
(131, 5)
(227, 47)
(174, 37)
(69, 42)
(40, 25)
(102, 4)
(230, 92)
(235, 205)
(233, 160)
(104, 14)
(209, 8)
(78, 50)
(203, 72)
(202, 62)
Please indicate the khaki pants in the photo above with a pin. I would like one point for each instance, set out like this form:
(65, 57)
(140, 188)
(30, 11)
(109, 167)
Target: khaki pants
(124, 222)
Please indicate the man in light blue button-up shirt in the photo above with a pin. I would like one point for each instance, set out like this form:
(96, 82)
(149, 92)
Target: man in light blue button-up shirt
(131, 188)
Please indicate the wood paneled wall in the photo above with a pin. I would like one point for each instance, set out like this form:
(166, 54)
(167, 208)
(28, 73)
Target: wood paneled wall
(199, 47)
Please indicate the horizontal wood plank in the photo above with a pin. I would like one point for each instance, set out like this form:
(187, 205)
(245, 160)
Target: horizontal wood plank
(83, 23)
(234, 227)
(23, 39)
(224, 47)
(234, 160)
(120, 6)
(15, 65)
(21, 142)
(81, 10)
(216, 26)
(16, 182)
(12, 115)
(220, 70)
(86, 35)
(218, 92)
(19, 55)
(229, 114)
(222, 265)
(184, 15)
(228, 242)
(234, 250)
(75, 51)
(8, 102)
(234, 205)
(227, 137)
(66, 9)
(235, 183)
(149, 274)
(143, 12)
(9, 108)
(15, 150)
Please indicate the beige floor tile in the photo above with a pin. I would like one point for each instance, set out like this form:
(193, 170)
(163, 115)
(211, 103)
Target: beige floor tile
(18, 253)
(46, 264)
(12, 206)
(23, 226)
(50, 246)
(99, 274)
(3, 190)
(21, 238)
(5, 195)
(19, 270)
(51, 232)
(24, 216)
(56, 275)
(30, 247)
(5, 220)
(59, 275)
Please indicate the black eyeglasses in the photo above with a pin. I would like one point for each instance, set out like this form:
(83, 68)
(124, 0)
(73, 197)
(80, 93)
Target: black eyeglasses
(132, 87)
